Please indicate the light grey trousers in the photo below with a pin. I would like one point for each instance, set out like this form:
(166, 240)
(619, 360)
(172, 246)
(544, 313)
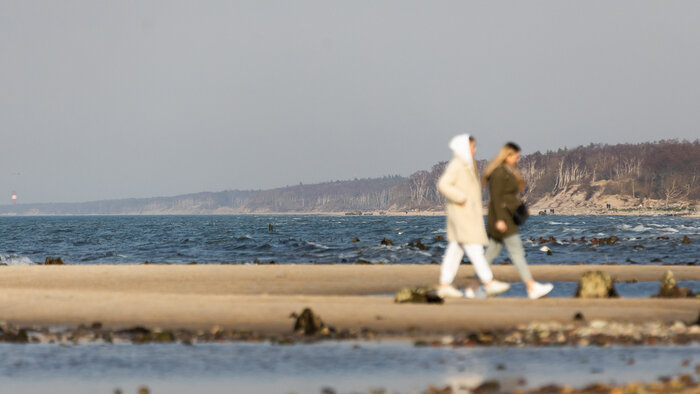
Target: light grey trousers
(516, 251)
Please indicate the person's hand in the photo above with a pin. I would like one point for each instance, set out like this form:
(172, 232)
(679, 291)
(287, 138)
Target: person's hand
(501, 226)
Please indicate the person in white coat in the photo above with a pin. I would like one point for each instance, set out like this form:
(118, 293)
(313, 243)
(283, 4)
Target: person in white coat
(466, 232)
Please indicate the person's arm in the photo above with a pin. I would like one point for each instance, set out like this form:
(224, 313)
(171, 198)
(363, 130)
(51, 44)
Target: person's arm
(447, 185)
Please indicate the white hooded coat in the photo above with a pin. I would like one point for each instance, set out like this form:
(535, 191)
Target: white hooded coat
(461, 187)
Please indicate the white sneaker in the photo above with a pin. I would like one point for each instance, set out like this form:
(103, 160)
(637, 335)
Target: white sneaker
(539, 290)
(478, 293)
(449, 292)
(496, 287)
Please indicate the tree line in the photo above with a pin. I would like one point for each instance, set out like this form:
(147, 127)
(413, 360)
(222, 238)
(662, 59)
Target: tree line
(665, 170)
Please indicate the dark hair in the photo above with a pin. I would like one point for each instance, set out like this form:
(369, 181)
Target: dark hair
(513, 146)
(471, 138)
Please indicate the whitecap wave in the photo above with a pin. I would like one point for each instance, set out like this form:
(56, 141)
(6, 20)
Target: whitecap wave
(16, 260)
(317, 245)
(639, 228)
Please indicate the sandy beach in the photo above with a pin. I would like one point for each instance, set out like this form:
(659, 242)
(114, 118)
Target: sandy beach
(262, 297)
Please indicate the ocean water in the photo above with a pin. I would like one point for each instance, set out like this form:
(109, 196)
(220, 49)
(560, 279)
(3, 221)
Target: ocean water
(346, 367)
(312, 239)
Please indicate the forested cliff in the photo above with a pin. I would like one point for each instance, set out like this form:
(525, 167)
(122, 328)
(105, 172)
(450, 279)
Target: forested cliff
(661, 174)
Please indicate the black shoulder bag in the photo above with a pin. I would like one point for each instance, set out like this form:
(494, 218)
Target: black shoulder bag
(521, 214)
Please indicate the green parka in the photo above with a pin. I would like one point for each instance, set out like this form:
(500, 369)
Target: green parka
(503, 201)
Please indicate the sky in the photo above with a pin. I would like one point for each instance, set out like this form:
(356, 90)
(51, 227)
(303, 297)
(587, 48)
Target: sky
(141, 98)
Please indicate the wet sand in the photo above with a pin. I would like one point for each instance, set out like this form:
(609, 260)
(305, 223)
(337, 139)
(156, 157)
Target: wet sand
(262, 297)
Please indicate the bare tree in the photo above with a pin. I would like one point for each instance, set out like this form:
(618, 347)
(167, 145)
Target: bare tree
(671, 190)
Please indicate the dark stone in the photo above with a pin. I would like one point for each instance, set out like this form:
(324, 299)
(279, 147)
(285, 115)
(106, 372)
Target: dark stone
(14, 337)
(638, 246)
(579, 316)
(418, 295)
(439, 238)
(327, 390)
(418, 244)
(192, 263)
(144, 390)
(596, 284)
(669, 288)
(686, 240)
(605, 241)
(96, 325)
(136, 330)
(662, 238)
(387, 242)
(355, 239)
(164, 337)
(362, 261)
(488, 387)
(53, 261)
(308, 323)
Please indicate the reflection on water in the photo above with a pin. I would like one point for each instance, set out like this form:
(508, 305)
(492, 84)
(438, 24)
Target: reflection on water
(624, 289)
(344, 366)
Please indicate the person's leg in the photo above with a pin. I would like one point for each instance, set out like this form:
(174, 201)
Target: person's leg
(493, 250)
(450, 263)
(517, 254)
(481, 266)
(483, 270)
(448, 271)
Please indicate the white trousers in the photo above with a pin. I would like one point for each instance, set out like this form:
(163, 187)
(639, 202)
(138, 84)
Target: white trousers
(453, 257)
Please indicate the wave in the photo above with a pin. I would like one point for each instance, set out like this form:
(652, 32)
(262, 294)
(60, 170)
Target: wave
(16, 260)
(314, 244)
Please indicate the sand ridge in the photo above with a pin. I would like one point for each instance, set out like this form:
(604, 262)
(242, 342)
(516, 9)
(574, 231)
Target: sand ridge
(262, 297)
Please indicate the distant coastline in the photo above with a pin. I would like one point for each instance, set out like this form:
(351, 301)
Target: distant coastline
(627, 179)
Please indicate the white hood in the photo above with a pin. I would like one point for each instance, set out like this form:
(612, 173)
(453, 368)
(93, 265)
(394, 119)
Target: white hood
(460, 146)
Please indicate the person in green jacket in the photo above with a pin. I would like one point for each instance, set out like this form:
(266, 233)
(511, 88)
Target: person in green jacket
(505, 184)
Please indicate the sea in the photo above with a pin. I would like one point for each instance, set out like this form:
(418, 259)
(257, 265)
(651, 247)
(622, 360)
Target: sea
(333, 367)
(316, 239)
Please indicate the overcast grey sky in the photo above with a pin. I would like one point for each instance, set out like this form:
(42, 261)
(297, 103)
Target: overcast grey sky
(115, 99)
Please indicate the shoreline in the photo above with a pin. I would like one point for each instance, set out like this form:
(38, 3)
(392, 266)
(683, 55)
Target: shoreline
(533, 212)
